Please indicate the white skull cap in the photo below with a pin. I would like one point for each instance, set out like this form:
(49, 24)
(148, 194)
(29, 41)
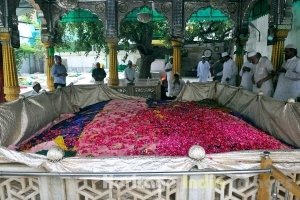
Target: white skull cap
(251, 54)
(290, 46)
(224, 54)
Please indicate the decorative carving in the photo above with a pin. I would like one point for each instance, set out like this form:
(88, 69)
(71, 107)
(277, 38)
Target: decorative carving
(1, 18)
(166, 7)
(231, 8)
(67, 4)
(240, 188)
(189, 7)
(126, 189)
(19, 188)
(123, 90)
(146, 92)
(216, 3)
(123, 7)
(100, 7)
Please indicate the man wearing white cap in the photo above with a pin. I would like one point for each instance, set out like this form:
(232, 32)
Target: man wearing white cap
(203, 70)
(229, 70)
(246, 73)
(288, 85)
(36, 90)
(129, 73)
(262, 73)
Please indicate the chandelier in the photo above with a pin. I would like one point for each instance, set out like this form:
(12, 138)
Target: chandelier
(68, 4)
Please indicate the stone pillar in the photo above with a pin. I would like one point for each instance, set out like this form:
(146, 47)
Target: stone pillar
(113, 62)
(11, 85)
(176, 44)
(239, 61)
(49, 62)
(1, 77)
(239, 55)
(278, 48)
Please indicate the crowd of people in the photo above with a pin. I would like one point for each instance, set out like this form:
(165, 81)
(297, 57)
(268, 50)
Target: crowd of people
(257, 75)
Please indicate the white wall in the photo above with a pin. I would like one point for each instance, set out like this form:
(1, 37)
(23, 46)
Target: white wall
(79, 62)
(262, 25)
(256, 43)
(294, 35)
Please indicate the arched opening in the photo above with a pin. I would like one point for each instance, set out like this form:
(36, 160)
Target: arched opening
(208, 32)
(146, 30)
(208, 25)
(29, 56)
(79, 38)
(79, 30)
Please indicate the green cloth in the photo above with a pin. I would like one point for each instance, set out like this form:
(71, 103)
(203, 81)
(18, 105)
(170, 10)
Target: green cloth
(79, 15)
(208, 14)
(260, 9)
(132, 16)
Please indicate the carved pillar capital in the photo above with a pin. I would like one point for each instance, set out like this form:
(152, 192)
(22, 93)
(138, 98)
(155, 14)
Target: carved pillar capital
(112, 42)
(278, 47)
(5, 37)
(281, 34)
(11, 85)
(178, 42)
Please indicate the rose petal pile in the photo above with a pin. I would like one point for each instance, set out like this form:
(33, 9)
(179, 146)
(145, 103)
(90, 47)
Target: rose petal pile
(70, 129)
(128, 127)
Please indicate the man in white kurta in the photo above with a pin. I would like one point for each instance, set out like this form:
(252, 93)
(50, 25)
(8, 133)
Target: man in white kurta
(177, 85)
(36, 89)
(288, 85)
(229, 70)
(203, 70)
(247, 73)
(168, 70)
(262, 74)
(129, 73)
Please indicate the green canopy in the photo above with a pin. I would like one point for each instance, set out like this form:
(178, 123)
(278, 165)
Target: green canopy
(208, 14)
(132, 16)
(79, 15)
(260, 9)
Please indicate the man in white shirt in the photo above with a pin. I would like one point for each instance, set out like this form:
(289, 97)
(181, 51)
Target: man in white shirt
(246, 73)
(36, 90)
(177, 85)
(168, 70)
(229, 70)
(129, 73)
(203, 70)
(288, 85)
(262, 73)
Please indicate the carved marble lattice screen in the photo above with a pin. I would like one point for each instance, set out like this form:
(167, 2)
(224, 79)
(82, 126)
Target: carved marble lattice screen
(225, 188)
(163, 189)
(19, 188)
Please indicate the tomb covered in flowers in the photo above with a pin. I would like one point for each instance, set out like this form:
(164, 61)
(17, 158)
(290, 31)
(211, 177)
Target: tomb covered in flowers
(97, 129)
